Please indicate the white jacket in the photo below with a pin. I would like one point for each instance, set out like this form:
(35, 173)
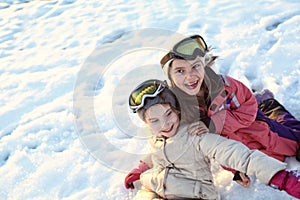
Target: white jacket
(181, 165)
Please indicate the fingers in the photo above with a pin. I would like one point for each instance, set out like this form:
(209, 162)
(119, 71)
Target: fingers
(129, 186)
(197, 128)
(245, 182)
(197, 131)
(241, 183)
(129, 183)
(129, 179)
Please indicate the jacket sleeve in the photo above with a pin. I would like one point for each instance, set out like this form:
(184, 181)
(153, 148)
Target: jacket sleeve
(235, 155)
(229, 120)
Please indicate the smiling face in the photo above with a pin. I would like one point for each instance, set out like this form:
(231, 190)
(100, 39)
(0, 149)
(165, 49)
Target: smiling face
(162, 120)
(187, 75)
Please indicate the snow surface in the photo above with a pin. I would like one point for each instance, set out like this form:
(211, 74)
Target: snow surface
(67, 67)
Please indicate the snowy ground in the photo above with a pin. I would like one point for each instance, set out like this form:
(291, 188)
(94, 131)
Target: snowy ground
(67, 67)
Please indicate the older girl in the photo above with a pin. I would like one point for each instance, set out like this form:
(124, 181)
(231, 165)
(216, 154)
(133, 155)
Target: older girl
(225, 105)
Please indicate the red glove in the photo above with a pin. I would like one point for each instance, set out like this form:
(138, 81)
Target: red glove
(134, 175)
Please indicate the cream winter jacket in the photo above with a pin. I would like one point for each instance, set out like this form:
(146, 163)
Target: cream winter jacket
(181, 165)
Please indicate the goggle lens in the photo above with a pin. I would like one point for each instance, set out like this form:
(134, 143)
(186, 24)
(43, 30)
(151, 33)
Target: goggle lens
(188, 48)
(150, 88)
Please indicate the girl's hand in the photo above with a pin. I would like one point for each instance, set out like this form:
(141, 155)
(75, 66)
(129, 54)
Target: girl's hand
(245, 182)
(197, 128)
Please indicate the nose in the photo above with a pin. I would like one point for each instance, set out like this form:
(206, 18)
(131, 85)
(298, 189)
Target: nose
(165, 125)
(189, 74)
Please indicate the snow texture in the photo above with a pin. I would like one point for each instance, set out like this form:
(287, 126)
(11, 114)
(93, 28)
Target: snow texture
(67, 67)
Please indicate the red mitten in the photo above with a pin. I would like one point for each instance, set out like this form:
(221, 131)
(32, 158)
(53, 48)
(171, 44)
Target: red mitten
(288, 181)
(134, 175)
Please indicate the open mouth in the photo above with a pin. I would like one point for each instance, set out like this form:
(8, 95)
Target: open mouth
(169, 130)
(192, 85)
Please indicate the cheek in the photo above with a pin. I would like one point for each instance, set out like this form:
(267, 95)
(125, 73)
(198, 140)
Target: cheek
(155, 127)
(175, 119)
(201, 72)
(178, 80)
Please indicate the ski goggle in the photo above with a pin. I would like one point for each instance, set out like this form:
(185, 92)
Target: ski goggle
(150, 88)
(188, 48)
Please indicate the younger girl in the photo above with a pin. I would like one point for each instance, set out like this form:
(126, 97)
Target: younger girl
(180, 163)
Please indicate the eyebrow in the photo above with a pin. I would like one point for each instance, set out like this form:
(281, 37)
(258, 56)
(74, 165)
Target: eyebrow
(191, 64)
(197, 61)
(177, 68)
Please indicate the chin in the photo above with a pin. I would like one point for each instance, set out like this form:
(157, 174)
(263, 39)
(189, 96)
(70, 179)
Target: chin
(170, 134)
(192, 92)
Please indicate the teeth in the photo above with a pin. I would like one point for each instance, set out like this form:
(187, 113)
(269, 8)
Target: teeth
(193, 83)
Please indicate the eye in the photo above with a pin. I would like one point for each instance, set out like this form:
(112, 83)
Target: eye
(197, 65)
(169, 113)
(179, 71)
(153, 121)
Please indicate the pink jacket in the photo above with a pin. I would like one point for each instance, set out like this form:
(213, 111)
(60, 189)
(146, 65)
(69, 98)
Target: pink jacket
(236, 119)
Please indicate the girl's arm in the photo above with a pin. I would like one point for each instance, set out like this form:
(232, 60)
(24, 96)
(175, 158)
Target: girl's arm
(235, 155)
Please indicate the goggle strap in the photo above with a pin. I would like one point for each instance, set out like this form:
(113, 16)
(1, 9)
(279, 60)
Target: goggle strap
(165, 59)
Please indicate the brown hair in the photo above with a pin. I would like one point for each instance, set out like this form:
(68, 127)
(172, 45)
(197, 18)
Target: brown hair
(165, 97)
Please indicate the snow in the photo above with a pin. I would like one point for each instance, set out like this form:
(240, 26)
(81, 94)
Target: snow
(67, 67)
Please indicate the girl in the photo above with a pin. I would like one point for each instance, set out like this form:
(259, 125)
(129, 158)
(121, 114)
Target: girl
(180, 163)
(225, 105)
